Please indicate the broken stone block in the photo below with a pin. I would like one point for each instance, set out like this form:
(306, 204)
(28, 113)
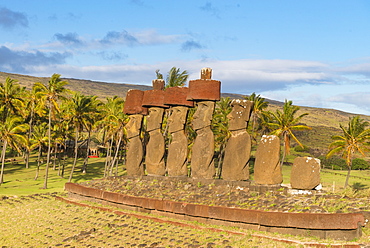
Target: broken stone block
(267, 169)
(305, 173)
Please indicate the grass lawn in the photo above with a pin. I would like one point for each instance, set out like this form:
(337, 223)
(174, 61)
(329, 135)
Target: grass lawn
(19, 180)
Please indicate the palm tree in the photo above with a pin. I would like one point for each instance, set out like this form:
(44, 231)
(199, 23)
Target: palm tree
(11, 97)
(33, 107)
(355, 139)
(51, 93)
(174, 77)
(11, 133)
(284, 123)
(113, 124)
(39, 140)
(220, 128)
(259, 105)
(80, 111)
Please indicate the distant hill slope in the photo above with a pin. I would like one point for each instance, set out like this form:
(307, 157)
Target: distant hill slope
(325, 122)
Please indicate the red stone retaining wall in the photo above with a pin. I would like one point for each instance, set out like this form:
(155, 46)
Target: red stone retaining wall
(344, 226)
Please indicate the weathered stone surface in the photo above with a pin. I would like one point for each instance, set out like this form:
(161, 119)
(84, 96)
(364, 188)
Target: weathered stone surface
(133, 103)
(237, 154)
(178, 148)
(153, 98)
(238, 148)
(154, 157)
(158, 84)
(134, 158)
(204, 90)
(133, 126)
(202, 164)
(203, 115)
(267, 169)
(154, 118)
(305, 173)
(206, 73)
(176, 96)
(177, 155)
(240, 114)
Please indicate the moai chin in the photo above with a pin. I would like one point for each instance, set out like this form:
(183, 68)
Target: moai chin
(155, 149)
(238, 148)
(204, 92)
(135, 153)
(177, 155)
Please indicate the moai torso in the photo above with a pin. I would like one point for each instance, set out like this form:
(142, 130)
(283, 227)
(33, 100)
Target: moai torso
(238, 148)
(134, 156)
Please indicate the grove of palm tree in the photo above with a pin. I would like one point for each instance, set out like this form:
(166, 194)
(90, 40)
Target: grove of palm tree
(52, 122)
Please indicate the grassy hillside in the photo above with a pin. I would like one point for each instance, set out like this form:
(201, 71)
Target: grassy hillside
(324, 122)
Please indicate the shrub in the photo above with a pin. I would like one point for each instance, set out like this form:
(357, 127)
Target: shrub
(360, 164)
(302, 149)
(334, 163)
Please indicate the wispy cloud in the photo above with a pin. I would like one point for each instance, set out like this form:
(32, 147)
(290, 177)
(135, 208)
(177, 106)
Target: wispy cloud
(68, 39)
(24, 61)
(123, 37)
(190, 45)
(112, 55)
(10, 19)
(210, 8)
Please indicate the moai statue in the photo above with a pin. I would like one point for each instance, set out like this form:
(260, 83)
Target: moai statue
(204, 92)
(178, 147)
(305, 173)
(267, 168)
(238, 148)
(134, 156)
(155, 149)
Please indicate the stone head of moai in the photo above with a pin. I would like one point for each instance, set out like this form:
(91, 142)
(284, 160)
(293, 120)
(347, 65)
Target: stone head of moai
(175, 97)
(133, 107)
(240, 114)
(204, 92)
(154, 101)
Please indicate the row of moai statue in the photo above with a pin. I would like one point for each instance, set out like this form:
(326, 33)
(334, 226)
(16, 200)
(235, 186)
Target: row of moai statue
(203, 93)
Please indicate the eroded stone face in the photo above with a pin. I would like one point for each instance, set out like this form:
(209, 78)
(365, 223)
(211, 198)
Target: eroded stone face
(177, 119)
(305, 173)
(133, 126)
(203, 115)
(240, 114)
(267, 169)
(154, 119)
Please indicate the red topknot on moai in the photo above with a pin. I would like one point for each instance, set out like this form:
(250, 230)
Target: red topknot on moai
(204, 92)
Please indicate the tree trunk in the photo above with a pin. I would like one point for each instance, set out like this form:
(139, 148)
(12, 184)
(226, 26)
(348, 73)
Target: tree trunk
(3, 162)
(76, 154)
(38, 162)
(348, 175)
(49, 148)
(84, 167)
(116, 153)
(27, 158)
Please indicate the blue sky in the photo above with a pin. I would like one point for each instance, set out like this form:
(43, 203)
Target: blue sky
(315, 53)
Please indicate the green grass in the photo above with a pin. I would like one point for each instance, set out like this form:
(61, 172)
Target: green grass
(19, 180)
